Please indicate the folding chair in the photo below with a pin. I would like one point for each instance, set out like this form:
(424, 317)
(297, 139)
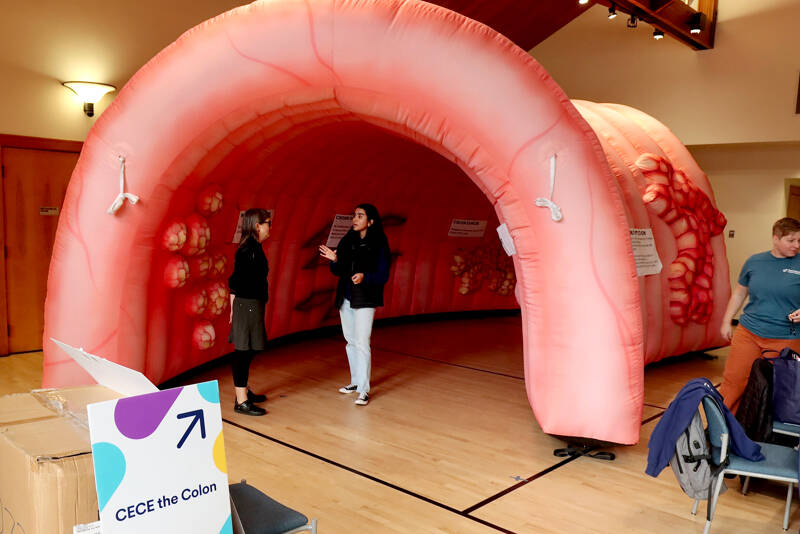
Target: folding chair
(253, 512)
(780, 462)
(787, 429)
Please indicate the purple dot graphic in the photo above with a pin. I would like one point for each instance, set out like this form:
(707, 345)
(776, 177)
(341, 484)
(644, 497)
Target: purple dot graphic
(138, 417)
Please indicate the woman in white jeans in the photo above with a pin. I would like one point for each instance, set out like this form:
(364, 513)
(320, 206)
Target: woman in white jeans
(361, 261)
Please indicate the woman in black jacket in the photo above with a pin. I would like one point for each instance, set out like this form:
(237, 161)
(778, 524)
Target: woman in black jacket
(249, 295)
(361, 261)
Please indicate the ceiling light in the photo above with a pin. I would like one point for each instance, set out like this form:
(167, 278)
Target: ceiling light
(633, 22)
(90, 93)
(583, 2)
(658, 35)
(612, 11)
(696, 22)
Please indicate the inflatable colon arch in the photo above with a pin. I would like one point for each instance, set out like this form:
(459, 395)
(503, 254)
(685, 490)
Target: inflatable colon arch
(305, 97)
(648, 160)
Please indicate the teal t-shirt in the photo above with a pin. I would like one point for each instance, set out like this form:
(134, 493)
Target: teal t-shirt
(773, 285)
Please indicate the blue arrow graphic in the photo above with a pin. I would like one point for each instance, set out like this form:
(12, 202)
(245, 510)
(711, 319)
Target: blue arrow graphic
(198, 416)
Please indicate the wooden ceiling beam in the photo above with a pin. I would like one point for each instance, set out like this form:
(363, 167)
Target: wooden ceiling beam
(674, 17)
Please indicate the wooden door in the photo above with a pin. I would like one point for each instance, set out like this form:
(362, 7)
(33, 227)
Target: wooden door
(34, 184)
(793, 205)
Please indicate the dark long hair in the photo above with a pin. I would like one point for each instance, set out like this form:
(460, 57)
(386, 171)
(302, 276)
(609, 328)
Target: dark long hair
(251, 218)
(375, 233)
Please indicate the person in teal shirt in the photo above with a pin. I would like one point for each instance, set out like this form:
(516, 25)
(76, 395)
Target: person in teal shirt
(771, 280)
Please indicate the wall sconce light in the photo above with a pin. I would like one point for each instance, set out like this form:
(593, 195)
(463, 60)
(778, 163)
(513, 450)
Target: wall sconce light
(612, 11)
(696, 22)
(658, 35)
(90, 93)
(633, 21)
(583, 2)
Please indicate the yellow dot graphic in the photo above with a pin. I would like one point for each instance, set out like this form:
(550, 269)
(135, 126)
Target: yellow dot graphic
(219, 454)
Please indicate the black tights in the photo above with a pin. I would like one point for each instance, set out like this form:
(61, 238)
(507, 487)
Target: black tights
(241, 367)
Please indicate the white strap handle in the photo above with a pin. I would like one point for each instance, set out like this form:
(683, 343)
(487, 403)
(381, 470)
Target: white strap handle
(555, 211)
(117, 204)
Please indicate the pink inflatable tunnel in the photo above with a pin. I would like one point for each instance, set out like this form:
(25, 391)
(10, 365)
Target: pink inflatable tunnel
(309, 107)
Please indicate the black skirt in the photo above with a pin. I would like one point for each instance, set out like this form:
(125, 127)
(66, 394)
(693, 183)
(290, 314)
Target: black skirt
(248, 331)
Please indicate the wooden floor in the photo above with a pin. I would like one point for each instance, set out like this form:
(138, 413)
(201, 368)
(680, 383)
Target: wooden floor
(448, 442)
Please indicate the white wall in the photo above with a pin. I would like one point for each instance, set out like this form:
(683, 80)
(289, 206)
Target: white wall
(749, 184)
(744, 90)
(45, 42)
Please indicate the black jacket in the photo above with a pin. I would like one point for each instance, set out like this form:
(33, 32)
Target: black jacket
(250, 268)
(755, 407)
(370, 256)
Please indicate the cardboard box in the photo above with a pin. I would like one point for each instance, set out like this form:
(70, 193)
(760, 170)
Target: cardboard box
(46, 475)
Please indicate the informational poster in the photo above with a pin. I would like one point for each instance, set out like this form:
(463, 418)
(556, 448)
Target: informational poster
(644, 252)
(341, 225)
(237, 234)
(506, 240)
(159, 462)
(467, 228)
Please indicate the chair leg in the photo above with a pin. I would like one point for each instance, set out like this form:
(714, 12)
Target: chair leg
(745, 485)
(694, 506)
(712, 502)
(308, 527)
(788, 506)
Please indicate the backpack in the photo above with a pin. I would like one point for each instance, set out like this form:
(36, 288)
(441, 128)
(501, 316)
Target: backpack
(691, 461)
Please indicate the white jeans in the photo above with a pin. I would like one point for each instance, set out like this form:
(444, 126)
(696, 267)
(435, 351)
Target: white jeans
(357, 329)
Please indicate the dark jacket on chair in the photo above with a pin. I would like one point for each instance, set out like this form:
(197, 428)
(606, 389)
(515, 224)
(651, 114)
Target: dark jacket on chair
(678, 416)
(755, 407)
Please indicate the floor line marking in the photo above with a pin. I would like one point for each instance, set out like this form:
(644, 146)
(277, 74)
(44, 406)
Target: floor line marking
(527, 481)
(370, 477)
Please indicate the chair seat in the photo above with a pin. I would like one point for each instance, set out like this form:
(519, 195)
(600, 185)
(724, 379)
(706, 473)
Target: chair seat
(786, 428)
(260, 514)
(779, 462)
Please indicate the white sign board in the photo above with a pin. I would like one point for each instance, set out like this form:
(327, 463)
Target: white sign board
(644, 252)
(109, 374)
(466, 228)
(237, 234)
(506, 240)
(341, 225)
(159, 462)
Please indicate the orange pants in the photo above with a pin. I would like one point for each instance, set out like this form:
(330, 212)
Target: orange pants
(746, 347)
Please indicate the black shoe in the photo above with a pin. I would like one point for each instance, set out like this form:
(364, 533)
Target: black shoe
(256, 397)
(248, 408)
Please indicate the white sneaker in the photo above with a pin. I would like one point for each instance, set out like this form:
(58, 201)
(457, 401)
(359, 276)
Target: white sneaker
(352, 388)
(363, 399)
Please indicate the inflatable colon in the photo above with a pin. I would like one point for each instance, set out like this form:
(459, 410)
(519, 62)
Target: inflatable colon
(209, 201)
(196, 302)
(176, 273)
(199, 235)
(200, 265)
(174, 236)
(318, 105)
